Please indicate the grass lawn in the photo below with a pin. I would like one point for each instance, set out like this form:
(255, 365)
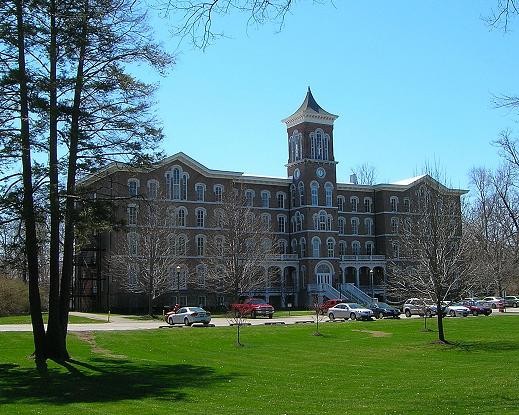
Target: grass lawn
(379, 367)
(26, 319)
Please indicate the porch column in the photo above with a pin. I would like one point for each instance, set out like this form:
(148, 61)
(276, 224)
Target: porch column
(357, 277)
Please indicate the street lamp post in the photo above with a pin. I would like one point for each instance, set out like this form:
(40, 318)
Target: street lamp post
(372, 287)
(178, 284)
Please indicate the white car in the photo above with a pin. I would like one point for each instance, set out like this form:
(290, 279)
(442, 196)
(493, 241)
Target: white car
(353, 311)
(188, 316)
(456, 310)
(494, 302)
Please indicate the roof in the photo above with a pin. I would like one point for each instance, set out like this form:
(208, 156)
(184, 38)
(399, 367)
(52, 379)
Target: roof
(310, 111)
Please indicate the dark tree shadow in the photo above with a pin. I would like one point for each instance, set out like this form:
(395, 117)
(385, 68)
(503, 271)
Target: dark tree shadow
(487, 346)
(103, 380)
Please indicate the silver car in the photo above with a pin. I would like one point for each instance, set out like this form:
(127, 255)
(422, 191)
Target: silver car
(188, 316)
(456, 310)
(353, 311)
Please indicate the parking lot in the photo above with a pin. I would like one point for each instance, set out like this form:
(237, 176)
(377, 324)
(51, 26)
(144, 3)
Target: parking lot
(120, 323)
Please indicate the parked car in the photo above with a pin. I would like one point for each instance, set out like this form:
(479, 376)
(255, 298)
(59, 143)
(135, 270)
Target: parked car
(494, 302)
(419, 306)
(477, 308)
(512, 301)
(381, 310)
(323, 307)
(253, 307)
(456, 310)
(188, 316)
(353, 311)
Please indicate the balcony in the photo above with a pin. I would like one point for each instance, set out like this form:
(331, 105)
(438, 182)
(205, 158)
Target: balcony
(283, 257)
(363, 258)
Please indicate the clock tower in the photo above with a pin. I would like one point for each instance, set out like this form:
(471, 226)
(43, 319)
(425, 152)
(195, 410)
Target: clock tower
(313, 193)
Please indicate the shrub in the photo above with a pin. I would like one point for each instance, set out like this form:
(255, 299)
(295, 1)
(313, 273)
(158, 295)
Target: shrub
(14, 296)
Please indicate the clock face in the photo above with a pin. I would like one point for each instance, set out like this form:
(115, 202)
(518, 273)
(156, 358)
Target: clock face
(320, 172)
(297, 173)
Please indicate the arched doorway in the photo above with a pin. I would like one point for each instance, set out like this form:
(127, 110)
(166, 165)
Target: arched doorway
(323, 273)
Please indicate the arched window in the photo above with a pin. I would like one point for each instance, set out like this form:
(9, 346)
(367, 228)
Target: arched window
(296, 150)
(354, 226)
(201, 272)
(340, 203)
(314, 186)
(394, 225)
(266, 219)
(265, 199)
(395, 247)
(133, 274)
(282, 220)
(182, 245)
(330, 247)
(319, 144)
(200, 217)
(218, 193)
(153, 189)
(133, 243)
(328, 187)
(354, 200)
(302, 243)
(177, 184)
(249, 197)
(200, 245)
(368, 223)
(298, 222)
(342, 248)
(301, 188)
(393, 203)
(200, 192)
(181, 217)
(282, 246)
(219, 245)
(316, 247)
(322, 220)
(219, 218)
(178, 279)
(133, 187)
(132, 215)
(370, 248)
(292, 195)
(281, 200)
(407, 205)
(355, 248)
(293, 245)
(341, 226)
(367, 204)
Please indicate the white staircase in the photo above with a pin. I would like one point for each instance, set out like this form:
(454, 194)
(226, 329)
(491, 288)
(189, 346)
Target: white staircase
(355, 293)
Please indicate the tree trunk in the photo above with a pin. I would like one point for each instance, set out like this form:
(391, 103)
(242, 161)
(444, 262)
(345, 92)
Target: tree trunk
(59, 341)
(441, 334)
(53, 328)
(29, 215)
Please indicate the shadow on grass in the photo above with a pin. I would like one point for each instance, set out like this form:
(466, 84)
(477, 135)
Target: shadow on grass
(104, 380)
(486, 346)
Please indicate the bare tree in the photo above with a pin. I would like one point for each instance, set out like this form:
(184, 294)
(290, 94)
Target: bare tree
(365, 174)
(197, 18)
(431, 251)
(238, 254)
(146, 254)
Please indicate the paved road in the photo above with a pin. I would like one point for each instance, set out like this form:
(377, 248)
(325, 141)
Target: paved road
(125, 323)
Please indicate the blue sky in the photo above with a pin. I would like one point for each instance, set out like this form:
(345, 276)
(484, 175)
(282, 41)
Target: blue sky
(411, 81)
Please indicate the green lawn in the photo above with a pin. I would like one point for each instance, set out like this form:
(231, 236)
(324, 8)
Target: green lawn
(26, 319)
(379, 367)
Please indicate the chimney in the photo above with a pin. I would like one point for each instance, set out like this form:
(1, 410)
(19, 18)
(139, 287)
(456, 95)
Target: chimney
(353, 178)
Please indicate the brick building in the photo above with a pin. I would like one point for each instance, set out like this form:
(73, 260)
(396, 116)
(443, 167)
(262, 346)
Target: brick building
(335, 238)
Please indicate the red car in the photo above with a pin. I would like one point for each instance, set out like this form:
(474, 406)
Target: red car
(476, 308)
(323, 307)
